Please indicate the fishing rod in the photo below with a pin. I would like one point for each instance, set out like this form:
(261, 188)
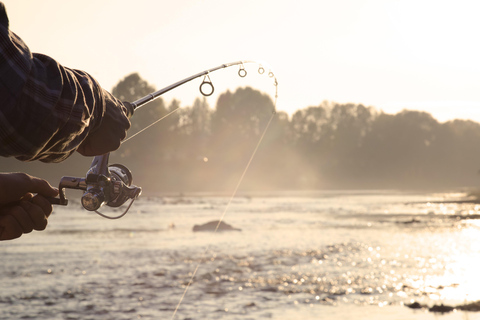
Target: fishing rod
(111, 185)
(206, 87)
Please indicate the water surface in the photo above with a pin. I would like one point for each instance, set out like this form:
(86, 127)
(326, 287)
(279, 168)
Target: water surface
(317, 255)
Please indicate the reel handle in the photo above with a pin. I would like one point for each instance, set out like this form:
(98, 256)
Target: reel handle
(70, 183)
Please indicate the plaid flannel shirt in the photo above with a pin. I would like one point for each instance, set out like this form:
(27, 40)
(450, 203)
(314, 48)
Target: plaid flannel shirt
(46, 110)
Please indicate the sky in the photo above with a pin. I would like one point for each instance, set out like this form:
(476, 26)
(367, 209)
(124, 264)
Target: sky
(388, 54)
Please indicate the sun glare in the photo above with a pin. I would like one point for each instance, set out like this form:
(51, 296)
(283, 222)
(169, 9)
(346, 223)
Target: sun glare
(460, 278)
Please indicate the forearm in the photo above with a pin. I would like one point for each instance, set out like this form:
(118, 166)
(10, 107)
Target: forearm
(58, 107)
(46, 110)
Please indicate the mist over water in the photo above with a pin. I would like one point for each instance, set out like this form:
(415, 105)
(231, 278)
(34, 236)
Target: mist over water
(338, 254)
(203, 148)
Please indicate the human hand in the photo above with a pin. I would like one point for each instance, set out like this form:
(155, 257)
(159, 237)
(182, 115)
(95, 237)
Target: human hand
(112, 130)
(21, 211)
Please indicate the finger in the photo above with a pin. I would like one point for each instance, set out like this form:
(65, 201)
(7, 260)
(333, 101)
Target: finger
(36, 216)
(44, 204)
(22, 217)
(15, 185)
(42, 187)
(9, 228)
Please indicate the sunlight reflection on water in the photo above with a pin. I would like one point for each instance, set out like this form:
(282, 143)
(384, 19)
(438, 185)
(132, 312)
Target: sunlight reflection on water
(338, 252)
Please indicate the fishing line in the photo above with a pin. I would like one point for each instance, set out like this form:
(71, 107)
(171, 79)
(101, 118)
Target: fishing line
(202, 260)
(138, 132)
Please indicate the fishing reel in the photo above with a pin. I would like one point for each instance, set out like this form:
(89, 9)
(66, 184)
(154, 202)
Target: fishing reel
(103, 184)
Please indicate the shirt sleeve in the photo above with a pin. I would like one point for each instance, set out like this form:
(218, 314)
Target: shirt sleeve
(46, 110)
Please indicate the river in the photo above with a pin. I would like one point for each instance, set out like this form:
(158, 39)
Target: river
(300, 255)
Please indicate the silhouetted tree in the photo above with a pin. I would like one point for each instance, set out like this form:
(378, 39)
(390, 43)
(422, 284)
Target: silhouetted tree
(308, 126)
(238, 121)
(397, 146)
(132, 88)
(244, 113)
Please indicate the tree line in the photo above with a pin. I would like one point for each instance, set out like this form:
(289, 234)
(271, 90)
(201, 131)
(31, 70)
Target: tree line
(329, 146)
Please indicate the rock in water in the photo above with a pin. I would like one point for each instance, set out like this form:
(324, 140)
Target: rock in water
(210, 226)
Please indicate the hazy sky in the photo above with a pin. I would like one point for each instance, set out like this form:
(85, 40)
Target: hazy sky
(420, 54)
